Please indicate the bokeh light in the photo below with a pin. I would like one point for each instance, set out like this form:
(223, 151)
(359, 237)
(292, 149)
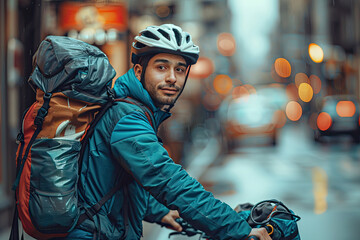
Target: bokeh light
(203, 68)
(282, 67)
(293, 111)
(323, 121)
(345, 108)
(316, 53)
(163, 11)
(315, 83)
(211, 101)
(250, 88)
(301, 78)
(226, 44)
(222, 84)
(305, 92)
(240, 92)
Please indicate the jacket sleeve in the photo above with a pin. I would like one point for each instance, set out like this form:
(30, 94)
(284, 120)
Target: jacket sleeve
(155, 211)
(150, 165)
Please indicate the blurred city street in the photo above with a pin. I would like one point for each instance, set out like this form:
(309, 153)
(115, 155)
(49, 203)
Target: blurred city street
(270, 110)
(318, 181)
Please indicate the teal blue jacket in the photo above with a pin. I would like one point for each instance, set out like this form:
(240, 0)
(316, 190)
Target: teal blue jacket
(125, 150)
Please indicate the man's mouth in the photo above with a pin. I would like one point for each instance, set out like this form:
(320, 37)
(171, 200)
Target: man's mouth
(169, 91)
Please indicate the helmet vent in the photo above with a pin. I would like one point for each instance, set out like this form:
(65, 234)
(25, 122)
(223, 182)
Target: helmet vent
(177, 36)
(165, 34)
(139, 45)
(150, 35)
(188, 38)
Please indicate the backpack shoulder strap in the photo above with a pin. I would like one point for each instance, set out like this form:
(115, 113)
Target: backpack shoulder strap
(93, 210)
(147, 111)
(90, 130)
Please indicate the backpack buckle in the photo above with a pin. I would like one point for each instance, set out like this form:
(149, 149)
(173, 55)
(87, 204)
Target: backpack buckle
(111, 93)
(39, 119)
(19, 138)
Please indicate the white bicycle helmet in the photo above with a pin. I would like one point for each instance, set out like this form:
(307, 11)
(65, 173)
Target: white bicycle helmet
(167, 38)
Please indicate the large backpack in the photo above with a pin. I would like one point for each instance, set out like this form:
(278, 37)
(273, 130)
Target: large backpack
(72, 80)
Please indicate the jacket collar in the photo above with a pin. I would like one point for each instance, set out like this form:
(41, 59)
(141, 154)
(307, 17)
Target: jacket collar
(129, 86)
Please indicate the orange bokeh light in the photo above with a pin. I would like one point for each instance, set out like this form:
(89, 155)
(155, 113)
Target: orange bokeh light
(226, 44)
(203, 68)
(316, 53)
(250, 88)
(293, 111)
(222, 84)
(315, 83)
(240, 91)
(282, 67)
(323, 121)
(345, 108)
(305, 92)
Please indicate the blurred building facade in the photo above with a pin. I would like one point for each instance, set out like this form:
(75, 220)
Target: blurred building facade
(332, 24)
(107, 24)
(112, 24)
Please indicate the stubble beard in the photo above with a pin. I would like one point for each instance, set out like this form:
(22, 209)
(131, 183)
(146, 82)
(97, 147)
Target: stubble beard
(161, 99)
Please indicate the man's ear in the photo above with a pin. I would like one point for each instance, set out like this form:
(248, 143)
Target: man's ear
(138, 71)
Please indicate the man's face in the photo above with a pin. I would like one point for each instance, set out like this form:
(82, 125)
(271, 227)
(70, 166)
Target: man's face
(164, 77)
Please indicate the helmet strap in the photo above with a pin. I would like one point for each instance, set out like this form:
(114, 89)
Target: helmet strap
(142, 77)
(144, 60)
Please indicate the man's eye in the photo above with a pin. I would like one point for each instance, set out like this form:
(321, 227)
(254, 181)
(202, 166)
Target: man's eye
(161, 67)
(180, 70)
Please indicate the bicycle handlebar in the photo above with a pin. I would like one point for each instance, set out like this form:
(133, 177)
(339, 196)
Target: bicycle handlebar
(188, 230)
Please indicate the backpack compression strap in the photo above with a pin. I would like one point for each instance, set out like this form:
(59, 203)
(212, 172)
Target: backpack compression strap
(20, 162)
(38, 122)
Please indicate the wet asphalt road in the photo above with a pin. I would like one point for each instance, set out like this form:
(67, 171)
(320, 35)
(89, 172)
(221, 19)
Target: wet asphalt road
(318, 181)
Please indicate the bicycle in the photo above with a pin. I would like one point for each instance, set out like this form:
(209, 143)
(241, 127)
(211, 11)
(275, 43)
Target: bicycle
(273, 215)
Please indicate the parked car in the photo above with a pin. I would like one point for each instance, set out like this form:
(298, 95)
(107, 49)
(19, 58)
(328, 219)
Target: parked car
(338, 115)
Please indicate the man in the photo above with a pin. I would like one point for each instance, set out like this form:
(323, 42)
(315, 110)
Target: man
(125, 151)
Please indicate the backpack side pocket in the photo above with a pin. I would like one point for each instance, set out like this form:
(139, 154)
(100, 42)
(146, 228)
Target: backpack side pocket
(53, 204)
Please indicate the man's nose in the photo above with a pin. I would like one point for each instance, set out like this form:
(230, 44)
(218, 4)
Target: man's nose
(171, 78)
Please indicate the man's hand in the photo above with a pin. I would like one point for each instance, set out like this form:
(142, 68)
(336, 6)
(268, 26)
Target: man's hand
(261, 233)
(170, 220)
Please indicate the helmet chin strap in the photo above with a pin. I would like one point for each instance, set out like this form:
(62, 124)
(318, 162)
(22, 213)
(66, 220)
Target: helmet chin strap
(172, 105)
